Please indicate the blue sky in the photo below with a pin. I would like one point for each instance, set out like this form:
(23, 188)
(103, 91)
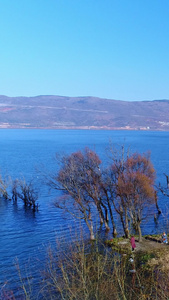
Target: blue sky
(117, 49)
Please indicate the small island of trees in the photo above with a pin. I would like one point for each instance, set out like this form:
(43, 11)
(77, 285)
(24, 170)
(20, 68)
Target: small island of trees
(126, 187)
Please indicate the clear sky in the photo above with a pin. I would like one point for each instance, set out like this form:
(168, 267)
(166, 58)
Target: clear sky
(117, 49)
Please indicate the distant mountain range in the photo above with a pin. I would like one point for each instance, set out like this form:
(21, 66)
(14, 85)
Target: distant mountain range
(57, 112)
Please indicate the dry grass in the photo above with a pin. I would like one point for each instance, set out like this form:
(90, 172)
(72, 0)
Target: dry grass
(97, 272)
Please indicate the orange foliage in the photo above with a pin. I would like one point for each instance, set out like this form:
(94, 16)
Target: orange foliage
(137, 180)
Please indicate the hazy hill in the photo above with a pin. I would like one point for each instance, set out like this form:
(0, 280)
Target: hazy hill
(82, 112)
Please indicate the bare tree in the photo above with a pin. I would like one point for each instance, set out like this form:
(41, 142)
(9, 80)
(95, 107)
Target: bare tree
(164, 189)
(79, 179)
(4, 183)
(26, 192)
(126, 187)
(110, 187)
(14, 190)
(136, 187)
(71, 180)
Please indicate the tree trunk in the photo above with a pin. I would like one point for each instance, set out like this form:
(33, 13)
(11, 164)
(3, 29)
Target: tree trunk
(106, 212)
(90, 226)
(125, 229)
(112, 220)
(156, 203)
(114, 232)
(126, 225)
(92, 237)
(102, 217)
(139, 231)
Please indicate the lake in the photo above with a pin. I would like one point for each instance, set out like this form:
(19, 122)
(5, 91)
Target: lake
(25, 235)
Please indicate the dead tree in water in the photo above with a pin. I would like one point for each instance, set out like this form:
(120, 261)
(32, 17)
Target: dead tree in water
(14, 190)
(3, 188)
(26, 192)
(156, 203)
(164, 189)
(167, 178)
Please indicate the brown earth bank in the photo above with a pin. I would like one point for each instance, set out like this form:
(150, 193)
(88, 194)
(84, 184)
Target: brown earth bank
(146, 244)
(151, 246)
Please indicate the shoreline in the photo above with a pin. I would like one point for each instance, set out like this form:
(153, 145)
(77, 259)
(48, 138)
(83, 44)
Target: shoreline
(90, 128)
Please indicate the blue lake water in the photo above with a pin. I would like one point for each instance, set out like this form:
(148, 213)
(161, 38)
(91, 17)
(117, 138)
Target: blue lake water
(22, 152)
